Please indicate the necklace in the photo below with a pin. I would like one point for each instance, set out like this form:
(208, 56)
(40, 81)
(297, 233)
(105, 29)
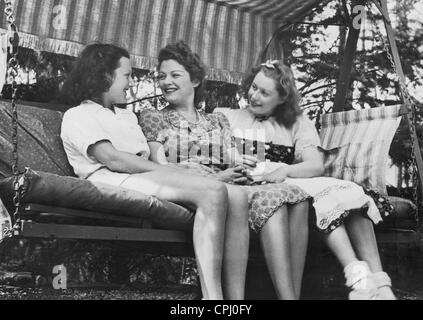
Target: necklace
(262, 118)
(194, 123)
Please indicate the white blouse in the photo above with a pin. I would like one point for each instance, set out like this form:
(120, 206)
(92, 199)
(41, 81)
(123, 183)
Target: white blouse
(89, 123)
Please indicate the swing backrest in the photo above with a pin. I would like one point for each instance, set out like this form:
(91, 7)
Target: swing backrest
(357, 143)
(39, 145)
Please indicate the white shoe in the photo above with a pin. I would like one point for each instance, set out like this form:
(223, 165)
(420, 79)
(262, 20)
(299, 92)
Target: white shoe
(383, 284)
(359, 279)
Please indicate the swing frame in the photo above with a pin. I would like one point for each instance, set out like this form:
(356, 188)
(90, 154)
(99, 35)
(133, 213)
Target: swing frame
(172, 242)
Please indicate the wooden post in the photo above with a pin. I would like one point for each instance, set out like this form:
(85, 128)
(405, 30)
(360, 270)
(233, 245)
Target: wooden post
(285, 38)
(395, 55)
(280, 37)
(344, 79)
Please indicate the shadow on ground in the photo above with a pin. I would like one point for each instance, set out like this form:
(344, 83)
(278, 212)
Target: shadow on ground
(323, 280)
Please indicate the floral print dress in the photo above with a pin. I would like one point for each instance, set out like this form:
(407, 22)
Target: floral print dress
(203, 147)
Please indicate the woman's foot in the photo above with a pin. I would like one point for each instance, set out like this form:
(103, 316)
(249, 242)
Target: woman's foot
(360, 281)
(383, 284)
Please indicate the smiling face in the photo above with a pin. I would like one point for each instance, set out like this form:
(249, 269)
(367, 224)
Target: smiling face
(176, 84)
(122, 81)
(263, 95)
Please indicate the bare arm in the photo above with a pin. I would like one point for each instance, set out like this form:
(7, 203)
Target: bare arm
(312, 166)
(119, 161)
(157, 153)
(233, 174)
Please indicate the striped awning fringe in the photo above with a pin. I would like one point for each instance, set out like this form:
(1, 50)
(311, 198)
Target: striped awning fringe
(228, 35)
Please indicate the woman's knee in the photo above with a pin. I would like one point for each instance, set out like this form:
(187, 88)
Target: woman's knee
(214, 191)
(237, 195)
(238, 200)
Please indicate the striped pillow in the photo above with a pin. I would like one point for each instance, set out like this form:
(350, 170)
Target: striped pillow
(357, 145)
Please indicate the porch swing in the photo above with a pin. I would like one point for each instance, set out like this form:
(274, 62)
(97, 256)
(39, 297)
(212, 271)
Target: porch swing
(148, 220)
(137, 212)
(357, 142)
(364, 137)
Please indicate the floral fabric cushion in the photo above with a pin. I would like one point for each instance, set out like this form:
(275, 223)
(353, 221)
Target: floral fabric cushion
(39, 143)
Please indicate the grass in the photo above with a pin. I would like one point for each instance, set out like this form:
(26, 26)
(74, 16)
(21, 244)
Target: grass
(145, 293)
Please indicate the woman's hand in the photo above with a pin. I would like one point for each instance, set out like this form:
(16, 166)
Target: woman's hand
(277, 176)
(235, 175)
(250, 162)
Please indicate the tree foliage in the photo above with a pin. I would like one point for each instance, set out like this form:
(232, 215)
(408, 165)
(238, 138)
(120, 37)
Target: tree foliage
(373, 80)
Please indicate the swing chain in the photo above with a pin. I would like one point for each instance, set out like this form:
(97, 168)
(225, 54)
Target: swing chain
(409, 103)
(414, 164)
(12, 74)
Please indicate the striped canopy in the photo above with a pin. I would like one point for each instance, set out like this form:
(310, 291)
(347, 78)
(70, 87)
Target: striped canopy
(229, 35)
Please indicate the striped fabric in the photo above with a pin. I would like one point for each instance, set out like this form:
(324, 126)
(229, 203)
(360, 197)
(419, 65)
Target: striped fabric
(228, 34)
(357, 145)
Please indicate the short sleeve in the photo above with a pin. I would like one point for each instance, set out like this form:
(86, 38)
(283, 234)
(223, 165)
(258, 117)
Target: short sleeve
(229, 114)
(304, 136)
(153, 125)
(226, 130)
(82, 132)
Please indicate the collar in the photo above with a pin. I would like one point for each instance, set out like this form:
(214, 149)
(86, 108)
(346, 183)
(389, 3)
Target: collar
(178, 121)
(258, 118)
(92, 105)
(99, 108)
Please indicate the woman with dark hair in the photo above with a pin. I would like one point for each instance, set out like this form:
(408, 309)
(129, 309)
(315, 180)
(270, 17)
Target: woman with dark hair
(184, 134)
(105, 144)
(92, 75)
(292, 150)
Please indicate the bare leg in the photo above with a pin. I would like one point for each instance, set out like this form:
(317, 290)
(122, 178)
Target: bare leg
(363, 238)
(237, 237)
(209, 199)
(339, 243)
(276, 248)
(357, 273)
(298, 234)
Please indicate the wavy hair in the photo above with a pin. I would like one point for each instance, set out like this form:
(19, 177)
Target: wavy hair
(93, 73)
(191, 61)
(285, 113)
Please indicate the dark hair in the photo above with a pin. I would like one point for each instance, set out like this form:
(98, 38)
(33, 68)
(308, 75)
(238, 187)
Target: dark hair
(92, 74)
(287, 112)
(183, 54)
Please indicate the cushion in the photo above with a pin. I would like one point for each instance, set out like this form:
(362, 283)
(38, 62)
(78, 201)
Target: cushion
(357, 144)
(69, 192)
(5, 221)
(404, 208)
(39, 143)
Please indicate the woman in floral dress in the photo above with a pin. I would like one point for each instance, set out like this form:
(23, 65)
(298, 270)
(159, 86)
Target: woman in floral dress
(184, 135)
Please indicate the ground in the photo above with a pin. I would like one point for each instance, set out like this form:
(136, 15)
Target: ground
(323, 280)
(148, 293)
